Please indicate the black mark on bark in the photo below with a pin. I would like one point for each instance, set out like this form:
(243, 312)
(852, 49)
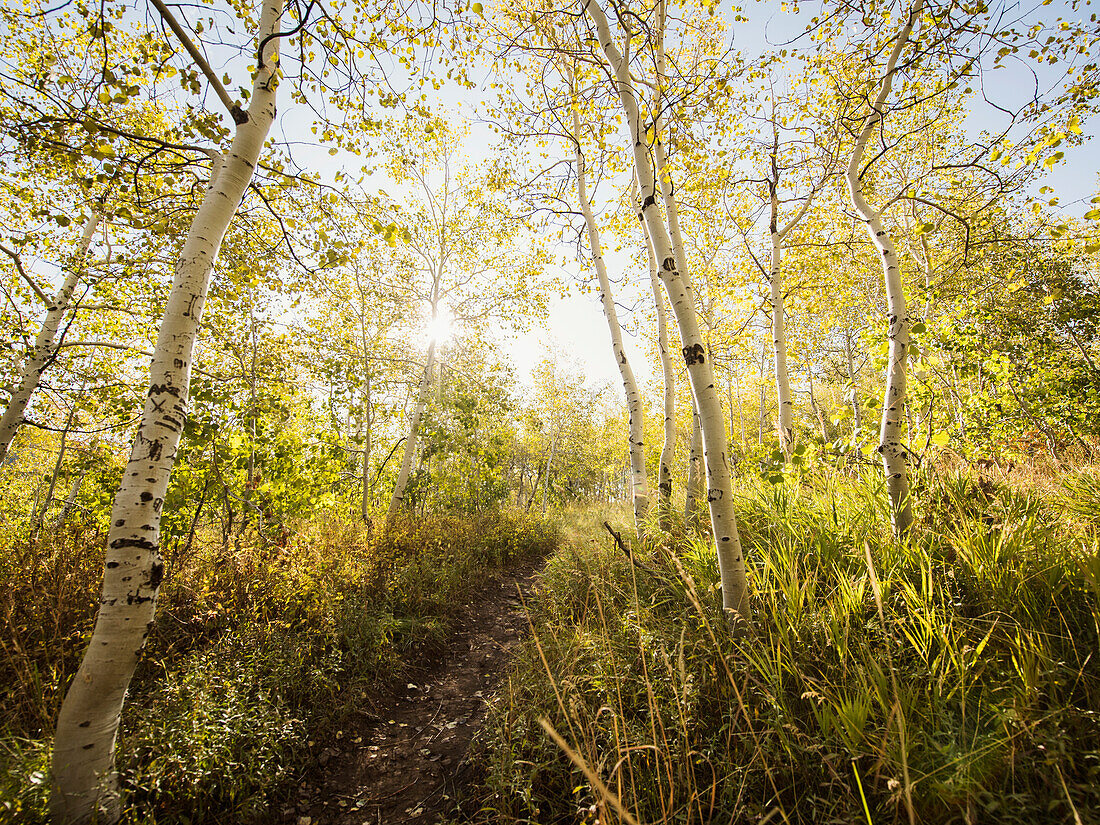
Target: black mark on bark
(695, 354)
(144, 544)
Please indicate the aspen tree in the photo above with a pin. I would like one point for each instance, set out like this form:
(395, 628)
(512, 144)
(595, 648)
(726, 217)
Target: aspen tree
(84, 782)
(853, 393)
(731, 562)
(640, 493)
(891, 448)
(45, 349)
(777, 235)
(664, 172)
(462, 236)
(693, 486)
(422, 393)
(668, 445)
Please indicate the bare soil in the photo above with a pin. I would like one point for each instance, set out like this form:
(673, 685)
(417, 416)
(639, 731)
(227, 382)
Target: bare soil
(403, 760)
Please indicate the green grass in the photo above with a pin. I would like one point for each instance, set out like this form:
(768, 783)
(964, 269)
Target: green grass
(955, 678)
(255, 657)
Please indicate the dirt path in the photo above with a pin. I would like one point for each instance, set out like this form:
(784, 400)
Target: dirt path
(403, 762)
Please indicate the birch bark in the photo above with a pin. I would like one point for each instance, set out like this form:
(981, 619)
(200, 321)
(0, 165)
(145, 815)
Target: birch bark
(368, 423)
(775, 282)
(893, 406)
(668, 447)
(785, 424)
(731, 562)
(422, 392)
(853, 395)
(762, 411)
(630, 385)
(693, 489)
(44, 351)
(813, 403)
(549, 463)
(84, 782)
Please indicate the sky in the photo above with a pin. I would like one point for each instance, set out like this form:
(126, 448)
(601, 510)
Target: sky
(576, 325)
(576, 328)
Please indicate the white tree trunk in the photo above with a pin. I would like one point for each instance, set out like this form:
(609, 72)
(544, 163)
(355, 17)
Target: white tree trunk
(777, 235)
(85, 786)
(368, 422)
(44, 343)
(668, 447)
(894, 402)
(785, 425)
(74, 491)
(731, 562)
(762, 411)
(813, 403)
(546, 485)
(853, 395)
(630, 386)
(422, 392)
(740, 413)
(693, 488)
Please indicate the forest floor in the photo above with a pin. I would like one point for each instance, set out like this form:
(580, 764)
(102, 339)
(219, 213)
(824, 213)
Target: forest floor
(402, 760)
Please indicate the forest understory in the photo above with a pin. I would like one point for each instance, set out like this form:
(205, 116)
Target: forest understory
(530, 412)
(338, 681)
(264, 660)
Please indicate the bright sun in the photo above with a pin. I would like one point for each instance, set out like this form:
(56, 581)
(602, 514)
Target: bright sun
(440, 329)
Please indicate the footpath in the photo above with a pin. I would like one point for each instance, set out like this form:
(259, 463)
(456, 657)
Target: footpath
(403, 761)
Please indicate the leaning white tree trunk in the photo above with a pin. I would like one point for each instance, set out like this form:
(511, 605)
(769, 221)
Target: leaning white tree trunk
(85, 785)
(422, 393)
(634, 407)
(44, 343)
(668, 447)
(731, 561)
(890, 445)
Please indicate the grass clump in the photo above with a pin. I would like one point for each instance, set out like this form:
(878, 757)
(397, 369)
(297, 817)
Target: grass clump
(255, 656)
(952, 678)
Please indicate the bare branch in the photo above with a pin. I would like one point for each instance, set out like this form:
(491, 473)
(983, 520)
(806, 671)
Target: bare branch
(238, 114)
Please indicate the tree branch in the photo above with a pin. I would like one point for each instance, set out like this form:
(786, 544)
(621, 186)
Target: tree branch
(11, 253)
(238, 114)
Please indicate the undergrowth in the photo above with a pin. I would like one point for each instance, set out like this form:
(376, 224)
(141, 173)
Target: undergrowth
(952, 678)
(256, 654)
